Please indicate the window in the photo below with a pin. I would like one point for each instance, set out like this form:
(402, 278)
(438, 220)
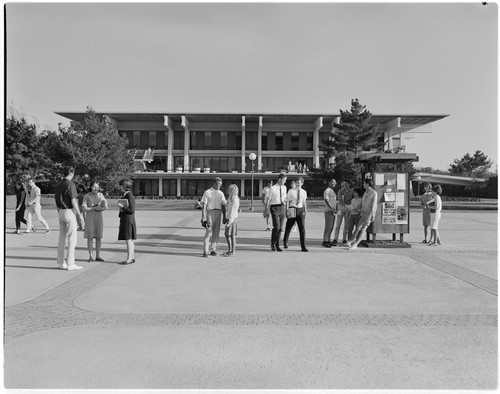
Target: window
(152, 139)
(264, 140)
(279, 140)
(178, 140)
(295, 141)
(192, 141)
(223, 140)
(238, 140)
(309, 141)
(208, 139)
(137, 139)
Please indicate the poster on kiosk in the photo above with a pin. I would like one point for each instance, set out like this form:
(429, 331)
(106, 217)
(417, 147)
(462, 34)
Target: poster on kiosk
(392, 204)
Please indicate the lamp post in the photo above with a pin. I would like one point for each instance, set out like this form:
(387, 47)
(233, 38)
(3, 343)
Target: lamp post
(252, 157)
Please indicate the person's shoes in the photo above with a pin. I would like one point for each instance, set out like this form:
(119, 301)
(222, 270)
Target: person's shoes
(326, 244)
(273, 247)
(305, 250)
(353, 247)
(268, 229)
(334, 243)
(285, 245)
(213, 253)
(205, 254)
(99, 259)
(74, 267)
(344, 241)
(47, 231)
(33, 228)
(279, 249)
(62, 266)
(127, 262)
(15, 232)
(90, 259)
(227, 254)
(424, 241)
(348, 244)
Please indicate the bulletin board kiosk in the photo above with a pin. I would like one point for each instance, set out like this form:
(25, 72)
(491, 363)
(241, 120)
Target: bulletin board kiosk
(393, 198)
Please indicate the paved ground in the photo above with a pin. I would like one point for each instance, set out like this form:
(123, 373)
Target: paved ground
(417, 318)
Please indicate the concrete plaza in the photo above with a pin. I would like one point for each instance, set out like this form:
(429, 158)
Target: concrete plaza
(417, 318)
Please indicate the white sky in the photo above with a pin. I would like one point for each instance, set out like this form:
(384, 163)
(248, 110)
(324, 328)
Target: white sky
(396, 58)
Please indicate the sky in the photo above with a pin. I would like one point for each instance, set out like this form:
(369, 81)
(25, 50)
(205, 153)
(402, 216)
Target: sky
(303, 58)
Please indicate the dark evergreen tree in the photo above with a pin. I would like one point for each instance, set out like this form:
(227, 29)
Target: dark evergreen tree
(476, 166)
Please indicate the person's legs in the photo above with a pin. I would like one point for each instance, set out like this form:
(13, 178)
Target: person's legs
(426, 233)
(38, 215)
(282, 221)
(90, 248)
(216, 220)
(72, 235)
(359, 236)
(228, 238)
(208, 233)
(289, 224)
(63, 233)
(301, 226)
(97, 248)
(130, 249)
(338, 223)
(347, 218)
(29, 219)
(329, 221)
(275, 217)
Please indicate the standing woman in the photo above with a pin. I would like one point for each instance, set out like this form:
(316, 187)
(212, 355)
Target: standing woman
(232, 207)
(435, 206)
(127, 231)
(93, 204)
(426, 213)
(33, 207)
(20, 206)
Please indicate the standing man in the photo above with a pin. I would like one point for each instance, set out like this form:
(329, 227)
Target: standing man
(330, 209)
(67, 207)
(345, 197)
(265, 195)
(276, 206)
(296, 213)
(426, 212)
(213, 205)
(368, 211)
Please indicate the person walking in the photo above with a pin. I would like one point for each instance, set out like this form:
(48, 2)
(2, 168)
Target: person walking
(20, 206)
(34, 207)
(330, 199)
(67, 207)
(276, 206)
(426, 213)
(435, 206)
(232, 207)
(93, 204)
(345, 197)
(214, 205)
(368, 211)
(265, 195)
(296, 208)
(128, 230)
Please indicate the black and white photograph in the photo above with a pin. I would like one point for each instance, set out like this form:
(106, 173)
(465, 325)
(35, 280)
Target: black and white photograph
(273, 196)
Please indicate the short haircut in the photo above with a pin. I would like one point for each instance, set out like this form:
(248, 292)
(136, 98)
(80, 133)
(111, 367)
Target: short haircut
(301, 179)
(437, 189)
(369, 181)
(126, 183)
(68, 170)
(92, 184)
(358, 191)
(281, 176)
(427, 184)
(217, 179)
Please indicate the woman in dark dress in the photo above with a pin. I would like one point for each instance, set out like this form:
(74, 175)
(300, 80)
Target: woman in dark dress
(127, 231)
(20, 206)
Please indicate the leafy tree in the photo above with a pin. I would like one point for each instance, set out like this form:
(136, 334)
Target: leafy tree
(94, 147)
(354, 134)
(22, 149)
(475, 166)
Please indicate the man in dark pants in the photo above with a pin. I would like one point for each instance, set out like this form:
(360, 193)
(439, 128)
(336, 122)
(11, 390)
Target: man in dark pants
(275, 204)
(296, 213)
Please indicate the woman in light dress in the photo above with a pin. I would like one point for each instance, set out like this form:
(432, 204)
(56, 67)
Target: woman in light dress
(232, 207)
(435, 205)
(93, 204)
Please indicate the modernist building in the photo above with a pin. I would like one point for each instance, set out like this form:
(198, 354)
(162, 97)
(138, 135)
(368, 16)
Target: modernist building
(178, 154)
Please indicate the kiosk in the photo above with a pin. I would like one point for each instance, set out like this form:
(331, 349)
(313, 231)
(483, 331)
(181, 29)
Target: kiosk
(393, 203)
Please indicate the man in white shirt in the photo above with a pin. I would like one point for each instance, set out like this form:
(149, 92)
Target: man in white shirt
(330, 208)
(368, 211)
(296, 213)
(213, 205)
(275, 204)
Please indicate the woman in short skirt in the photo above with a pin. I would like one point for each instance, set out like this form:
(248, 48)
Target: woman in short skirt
(127, 231)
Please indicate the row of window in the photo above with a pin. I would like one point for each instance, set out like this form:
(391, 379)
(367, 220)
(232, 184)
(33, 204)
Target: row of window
(227, 164)
(150, 187)
(223, 140)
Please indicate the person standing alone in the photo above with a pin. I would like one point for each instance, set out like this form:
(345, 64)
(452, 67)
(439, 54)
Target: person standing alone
(214, 204)
(296, 213)
(276, 206)
(66, 198)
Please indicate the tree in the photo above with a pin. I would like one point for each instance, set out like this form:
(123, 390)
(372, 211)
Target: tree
(94, 148)
(475, 166)
(355, 133)
(22, 149)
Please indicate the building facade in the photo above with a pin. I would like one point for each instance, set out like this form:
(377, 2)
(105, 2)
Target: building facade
(179, 154)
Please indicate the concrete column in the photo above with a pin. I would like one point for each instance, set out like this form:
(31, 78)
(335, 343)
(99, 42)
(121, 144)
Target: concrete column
(242, 188)
(170, 143)
(259, 146)
(178, 187)
(160, 187)
(185, 125)
(243, 147)
(317, 126)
